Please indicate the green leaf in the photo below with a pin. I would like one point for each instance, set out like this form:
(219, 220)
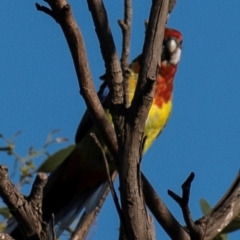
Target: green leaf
(205, 207)
(221, 237)
(4, 211)
(53, 161)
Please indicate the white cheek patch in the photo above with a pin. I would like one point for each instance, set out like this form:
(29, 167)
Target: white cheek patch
(171, 45)
(175, 58)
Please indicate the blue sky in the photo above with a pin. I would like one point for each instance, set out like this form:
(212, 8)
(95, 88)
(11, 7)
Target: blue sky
(39, 92)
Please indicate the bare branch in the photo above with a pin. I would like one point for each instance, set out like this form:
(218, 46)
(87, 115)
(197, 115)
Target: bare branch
(110, 183)
(198, 229)
(5, 149)
(126, 32)
(27, 213)
(160, 211)
(45, 10)
(63, 13)
(35, 197)
(172, 4)
(108, 49)
(64, 16)
(225, 211)
(129, 168)
(112, 64)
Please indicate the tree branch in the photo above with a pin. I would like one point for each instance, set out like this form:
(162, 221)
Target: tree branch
(64, 16)
(126, 32)
(196, 229)
(133, 204)
(108, 49)
(45, 10)
(112, 64)
(110, 183)
(27, 212)
(172, 4)
(160, 211)
(225, 211)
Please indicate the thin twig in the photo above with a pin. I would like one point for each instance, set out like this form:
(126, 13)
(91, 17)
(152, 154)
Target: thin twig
(196, 229)
(74, 39)
(112, 189)
(126, 32)
(113, 69)
(162, 214)
(172, 5)
(46, 10)
(5, 148)
(108, 49)
(62, 11)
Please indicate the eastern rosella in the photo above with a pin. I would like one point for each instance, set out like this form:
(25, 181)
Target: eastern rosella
(71, 186)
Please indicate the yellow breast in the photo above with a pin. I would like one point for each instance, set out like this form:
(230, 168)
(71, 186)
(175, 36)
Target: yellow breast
(158, 113)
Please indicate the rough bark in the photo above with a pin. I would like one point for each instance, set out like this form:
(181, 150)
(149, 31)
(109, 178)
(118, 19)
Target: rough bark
(27, 211)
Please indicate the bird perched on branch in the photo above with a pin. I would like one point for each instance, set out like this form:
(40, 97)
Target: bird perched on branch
(80, 180)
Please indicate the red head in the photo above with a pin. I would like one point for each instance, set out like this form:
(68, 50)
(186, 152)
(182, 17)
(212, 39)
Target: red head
(172, 44)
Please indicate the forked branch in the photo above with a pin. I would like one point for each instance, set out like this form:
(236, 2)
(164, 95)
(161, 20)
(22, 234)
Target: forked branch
(162, 214)
(197, 230)
(132, 200)
(27, 212)
(62, 12)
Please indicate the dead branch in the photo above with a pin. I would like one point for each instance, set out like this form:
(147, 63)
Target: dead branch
(196, 229)
(160, 211)
(112, 64)
(209, 226)
(46, 10)
(172, 4)
(108, 50)
(62, 12)
(27, 212)
(225, 211)
(110, 183)
(126, 32)
(133, 204)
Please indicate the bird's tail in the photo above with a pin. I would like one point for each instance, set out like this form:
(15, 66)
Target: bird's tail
(64, 199)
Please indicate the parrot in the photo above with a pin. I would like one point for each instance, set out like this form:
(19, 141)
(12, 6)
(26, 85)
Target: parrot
(81, 178)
